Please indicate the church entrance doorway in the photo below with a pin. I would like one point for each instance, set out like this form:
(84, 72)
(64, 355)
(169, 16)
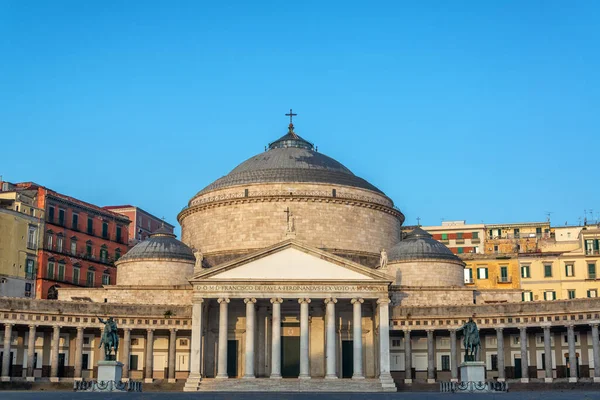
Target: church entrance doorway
(347, 358)
(290, 356)
(232, 356)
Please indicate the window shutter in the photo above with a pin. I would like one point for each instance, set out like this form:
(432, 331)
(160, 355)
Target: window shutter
(486, 273)
(553, 295)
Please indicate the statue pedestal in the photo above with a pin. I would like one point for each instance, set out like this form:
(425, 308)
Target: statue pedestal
(110, 371)
(472, 371)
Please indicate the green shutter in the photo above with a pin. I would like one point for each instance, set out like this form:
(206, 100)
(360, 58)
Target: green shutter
(486, 273)
(553, 295)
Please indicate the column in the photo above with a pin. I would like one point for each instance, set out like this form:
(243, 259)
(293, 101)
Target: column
(54, 354)
(172, 348)
(501, 365)
(276, 339)
(384, 344)
(196, 340)
(430, 357)
(407, 357)
(262, 341)
(572, 354)
(149, 370)
(453, 364)
(357, 338)
(126, 352)
(596, 347)
(6, 355)
(222, 359)
(31, 353)
(548, 354)
(250, 340)
(78, 354)
(524, 360)
(330, 342)
(304, 340)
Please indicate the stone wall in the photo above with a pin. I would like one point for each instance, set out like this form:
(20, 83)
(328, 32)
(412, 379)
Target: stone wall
(129, 294)
(430, 296)
(154, 272)
(422, 273)
(498, 296)
(364, 221)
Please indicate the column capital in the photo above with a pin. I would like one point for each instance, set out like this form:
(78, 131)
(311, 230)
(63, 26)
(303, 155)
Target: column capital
(32, 326)
(249, 300)
(173, 330)
(330, 300)
(522, 329)
(546, 326)
(198, 300)
(594, 324)
(383, 301)
(430, 331)
(149, 330)
(357, 300)
(80, 329)
(406, 331)
(304, 300)
(9, 324)
(56, 327)
(126, 329)
(221, 300)
(276, 300)
(570, 325)
(499, 329)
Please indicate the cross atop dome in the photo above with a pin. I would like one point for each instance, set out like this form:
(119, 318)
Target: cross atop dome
(291, 139)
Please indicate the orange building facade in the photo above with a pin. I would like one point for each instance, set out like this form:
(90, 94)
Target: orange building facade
(143, 224)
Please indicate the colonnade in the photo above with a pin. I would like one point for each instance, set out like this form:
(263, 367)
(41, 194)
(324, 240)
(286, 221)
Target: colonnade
(330, 338)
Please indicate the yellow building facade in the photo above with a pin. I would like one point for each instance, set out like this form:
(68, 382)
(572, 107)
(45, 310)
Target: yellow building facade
(491, 272)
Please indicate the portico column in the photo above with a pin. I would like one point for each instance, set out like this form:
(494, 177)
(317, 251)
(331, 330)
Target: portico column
(149, 356)
(172, 348)
(222, 361)
(196, 340)
(357, 338)
(330, 343)
(453, 363)
(31, 354)
(407, 357)
(572, 354)
(430, 357)
(78, 354)
(126, 352)
(250, 323)
(524, 360)
(54, 354)
(6, 355)
(500, 355)
(384, 344)
(548, 354)
(276, 339)
(596, 347)
(304, 339)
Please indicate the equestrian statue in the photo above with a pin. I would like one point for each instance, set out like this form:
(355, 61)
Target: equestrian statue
(110, 338)
(470, 340)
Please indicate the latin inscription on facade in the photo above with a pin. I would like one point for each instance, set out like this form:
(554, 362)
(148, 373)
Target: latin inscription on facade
(289, 288)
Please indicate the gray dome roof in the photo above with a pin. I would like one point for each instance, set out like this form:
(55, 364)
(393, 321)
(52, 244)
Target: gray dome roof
(161, 244)
(290, 159)
(420, 245)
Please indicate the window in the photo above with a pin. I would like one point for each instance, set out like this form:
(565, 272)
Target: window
(482, 273)
(543, 360)
(496, 249)
(475, 235)
(117, 254)
(133, 362)
(184, 342)
(461, 250)
(571, 293)
(88, 249)
(494, 358)
(135, 341)
(90, 226)
(30, 269)
(106, 279)
(73, 247)
(50, 272)
(90, 278)
(459, 236)
(591, 271)
(547, 270)
(592, 293)
(396, 343)
(516, 233)
(105, 230)
(85, 358)
(525, 273)
(549, 295)
(103, 255)
(445, 363)
(444, 236)
(76, 272)
(589, 247)
(527, 296)
(32, 238)
(49, 240)
(59, 244)
(468, 275)
(118, 238)
(61, 217)
(569, 270)
(75, 222)
(504, 273)
(50, 214)
(28, 289)
(61, 271)
(86, 340)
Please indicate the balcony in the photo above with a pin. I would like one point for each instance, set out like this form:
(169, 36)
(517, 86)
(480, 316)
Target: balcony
(475, 240)
(590, 252)
(444, 241)
(504, 279)
(469, 281)
(460, 241)
(31, 245)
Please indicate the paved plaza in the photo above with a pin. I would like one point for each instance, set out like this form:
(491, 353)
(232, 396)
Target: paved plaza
(554, 395)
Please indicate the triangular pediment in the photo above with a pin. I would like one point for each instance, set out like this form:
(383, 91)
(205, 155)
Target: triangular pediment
(291, 261)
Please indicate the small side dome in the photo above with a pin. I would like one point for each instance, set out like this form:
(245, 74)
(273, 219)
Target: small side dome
(160, 260)
(161, 244)
(420, 245)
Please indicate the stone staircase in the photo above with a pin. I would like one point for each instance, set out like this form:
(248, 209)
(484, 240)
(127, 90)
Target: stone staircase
(291, 385)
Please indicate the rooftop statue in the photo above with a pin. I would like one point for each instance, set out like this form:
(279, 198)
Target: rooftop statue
(383, 259)
(110, 338)
(470, 340)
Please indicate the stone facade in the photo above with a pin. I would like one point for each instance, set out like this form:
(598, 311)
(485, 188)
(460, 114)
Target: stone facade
(154, 272)
(429, 273)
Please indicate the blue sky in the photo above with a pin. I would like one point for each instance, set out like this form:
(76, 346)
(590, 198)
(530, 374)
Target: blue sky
(483, 110)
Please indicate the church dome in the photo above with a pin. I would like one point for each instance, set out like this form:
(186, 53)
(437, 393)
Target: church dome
(161, 244)
(290, 159)
(420, 245)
